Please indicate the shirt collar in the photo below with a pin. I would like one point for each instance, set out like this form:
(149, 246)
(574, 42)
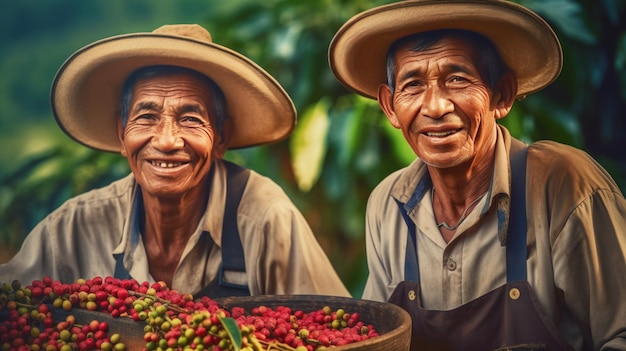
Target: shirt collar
(211, 221)
(414, 182)
(130, 228)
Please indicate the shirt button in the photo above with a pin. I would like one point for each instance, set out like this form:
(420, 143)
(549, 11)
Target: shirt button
(451, 265)
(514, 294)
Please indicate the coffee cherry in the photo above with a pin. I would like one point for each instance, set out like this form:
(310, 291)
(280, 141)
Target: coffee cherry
(173, 320)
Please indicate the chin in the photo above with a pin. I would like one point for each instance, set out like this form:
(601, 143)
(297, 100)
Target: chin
(447, 162)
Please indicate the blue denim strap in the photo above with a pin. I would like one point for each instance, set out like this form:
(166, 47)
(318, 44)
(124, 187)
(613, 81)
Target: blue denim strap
(516, 238)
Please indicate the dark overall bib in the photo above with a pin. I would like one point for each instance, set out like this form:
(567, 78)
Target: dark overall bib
(232, 250)
(507, 318)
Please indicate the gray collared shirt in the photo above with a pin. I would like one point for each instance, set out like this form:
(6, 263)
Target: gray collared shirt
(576, 243)
(80, 239)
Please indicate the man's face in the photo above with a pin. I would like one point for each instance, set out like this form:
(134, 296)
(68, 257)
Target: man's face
(170, 139)
(441, 104)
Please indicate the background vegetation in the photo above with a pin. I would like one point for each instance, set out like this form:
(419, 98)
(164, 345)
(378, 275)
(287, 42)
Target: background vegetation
(342, 146)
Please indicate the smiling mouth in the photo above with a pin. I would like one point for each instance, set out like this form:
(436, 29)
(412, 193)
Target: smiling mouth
(162, 164)
(441, 134)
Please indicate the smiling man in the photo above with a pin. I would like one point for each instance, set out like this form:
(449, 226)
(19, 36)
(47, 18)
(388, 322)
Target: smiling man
(489, 243)
(172, 102)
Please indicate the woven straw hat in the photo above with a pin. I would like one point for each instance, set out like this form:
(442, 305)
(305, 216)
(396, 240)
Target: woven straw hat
(358, 51)
(86, 91)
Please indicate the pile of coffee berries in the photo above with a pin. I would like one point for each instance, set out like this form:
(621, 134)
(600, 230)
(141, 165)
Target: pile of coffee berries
(44, 316)
(316, 330)
(27, 322)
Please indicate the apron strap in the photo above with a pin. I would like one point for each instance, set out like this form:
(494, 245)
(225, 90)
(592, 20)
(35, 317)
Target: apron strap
(411, 269)
(136, 217)
(516, 239)
(120, 271)
(411, 266)
(233, 258)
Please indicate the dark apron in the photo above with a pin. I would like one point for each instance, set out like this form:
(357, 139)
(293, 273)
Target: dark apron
(507, 318)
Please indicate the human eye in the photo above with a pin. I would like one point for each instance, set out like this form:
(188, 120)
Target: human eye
(191, 122)
(458, 81)
(413, 86)
(145, 118)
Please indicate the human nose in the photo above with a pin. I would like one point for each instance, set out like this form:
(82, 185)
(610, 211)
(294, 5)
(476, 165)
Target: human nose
(167, 136)
(435, 102)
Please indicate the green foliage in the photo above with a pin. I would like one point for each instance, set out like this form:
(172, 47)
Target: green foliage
(234, 333)
(308, 145)
(44, 180)
(342, 146)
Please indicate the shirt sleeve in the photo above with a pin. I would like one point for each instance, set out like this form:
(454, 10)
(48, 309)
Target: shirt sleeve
(34, 260)
(377, 279)
(589, 258)
(385, 243)
(577, 245)
(285, 256)
(74, 241)
(66, 245)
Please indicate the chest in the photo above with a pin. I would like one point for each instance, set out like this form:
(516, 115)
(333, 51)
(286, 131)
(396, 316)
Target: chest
(467, 267)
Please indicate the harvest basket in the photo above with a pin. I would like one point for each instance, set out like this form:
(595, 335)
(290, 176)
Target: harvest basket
(392, 322)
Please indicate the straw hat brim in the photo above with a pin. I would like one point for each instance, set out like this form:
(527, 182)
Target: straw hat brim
(86, 91)
(527, 44)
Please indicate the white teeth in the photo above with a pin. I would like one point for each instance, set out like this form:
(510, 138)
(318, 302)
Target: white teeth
(440, 134)
(165, 164)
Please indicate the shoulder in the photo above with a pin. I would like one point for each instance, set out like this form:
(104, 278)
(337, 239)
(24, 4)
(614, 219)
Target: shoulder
(382, 212)
(264, 197)
(262, 187)
(384, 186)
(399, 185)
(109, 201)
(556, 164)
(566, 185)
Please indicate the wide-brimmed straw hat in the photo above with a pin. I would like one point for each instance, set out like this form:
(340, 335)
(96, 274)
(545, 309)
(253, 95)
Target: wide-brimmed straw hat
(527, 44)
(86, 91)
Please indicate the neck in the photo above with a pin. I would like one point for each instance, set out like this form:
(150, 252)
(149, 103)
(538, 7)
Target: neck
(455, 194)
(168, 225)
(169, 221)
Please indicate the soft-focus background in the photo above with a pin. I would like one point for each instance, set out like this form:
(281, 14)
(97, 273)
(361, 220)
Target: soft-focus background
(342, 146)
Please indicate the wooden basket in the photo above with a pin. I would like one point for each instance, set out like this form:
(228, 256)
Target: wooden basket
(392, 322)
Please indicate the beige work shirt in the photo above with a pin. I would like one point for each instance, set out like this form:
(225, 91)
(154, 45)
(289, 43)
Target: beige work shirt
(80, 239)
(576, 241)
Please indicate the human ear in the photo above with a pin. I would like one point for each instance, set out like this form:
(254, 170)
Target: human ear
(504, 95)
(385, 101)
(120, 136)
(222, 140)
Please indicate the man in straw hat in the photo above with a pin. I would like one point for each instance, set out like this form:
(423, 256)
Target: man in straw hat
(489, 243)
(172, 102)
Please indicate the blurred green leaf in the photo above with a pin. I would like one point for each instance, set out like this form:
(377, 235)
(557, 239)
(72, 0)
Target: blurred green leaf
(308, 145)
(566, 15)
(400, 147)
(620, 63)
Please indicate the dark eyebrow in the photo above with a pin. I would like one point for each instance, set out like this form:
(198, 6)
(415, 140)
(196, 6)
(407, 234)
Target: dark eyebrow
(145, 106)
(410, 74)
(449, 68)
(190, 108)
(458, 68)
(154, 107)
